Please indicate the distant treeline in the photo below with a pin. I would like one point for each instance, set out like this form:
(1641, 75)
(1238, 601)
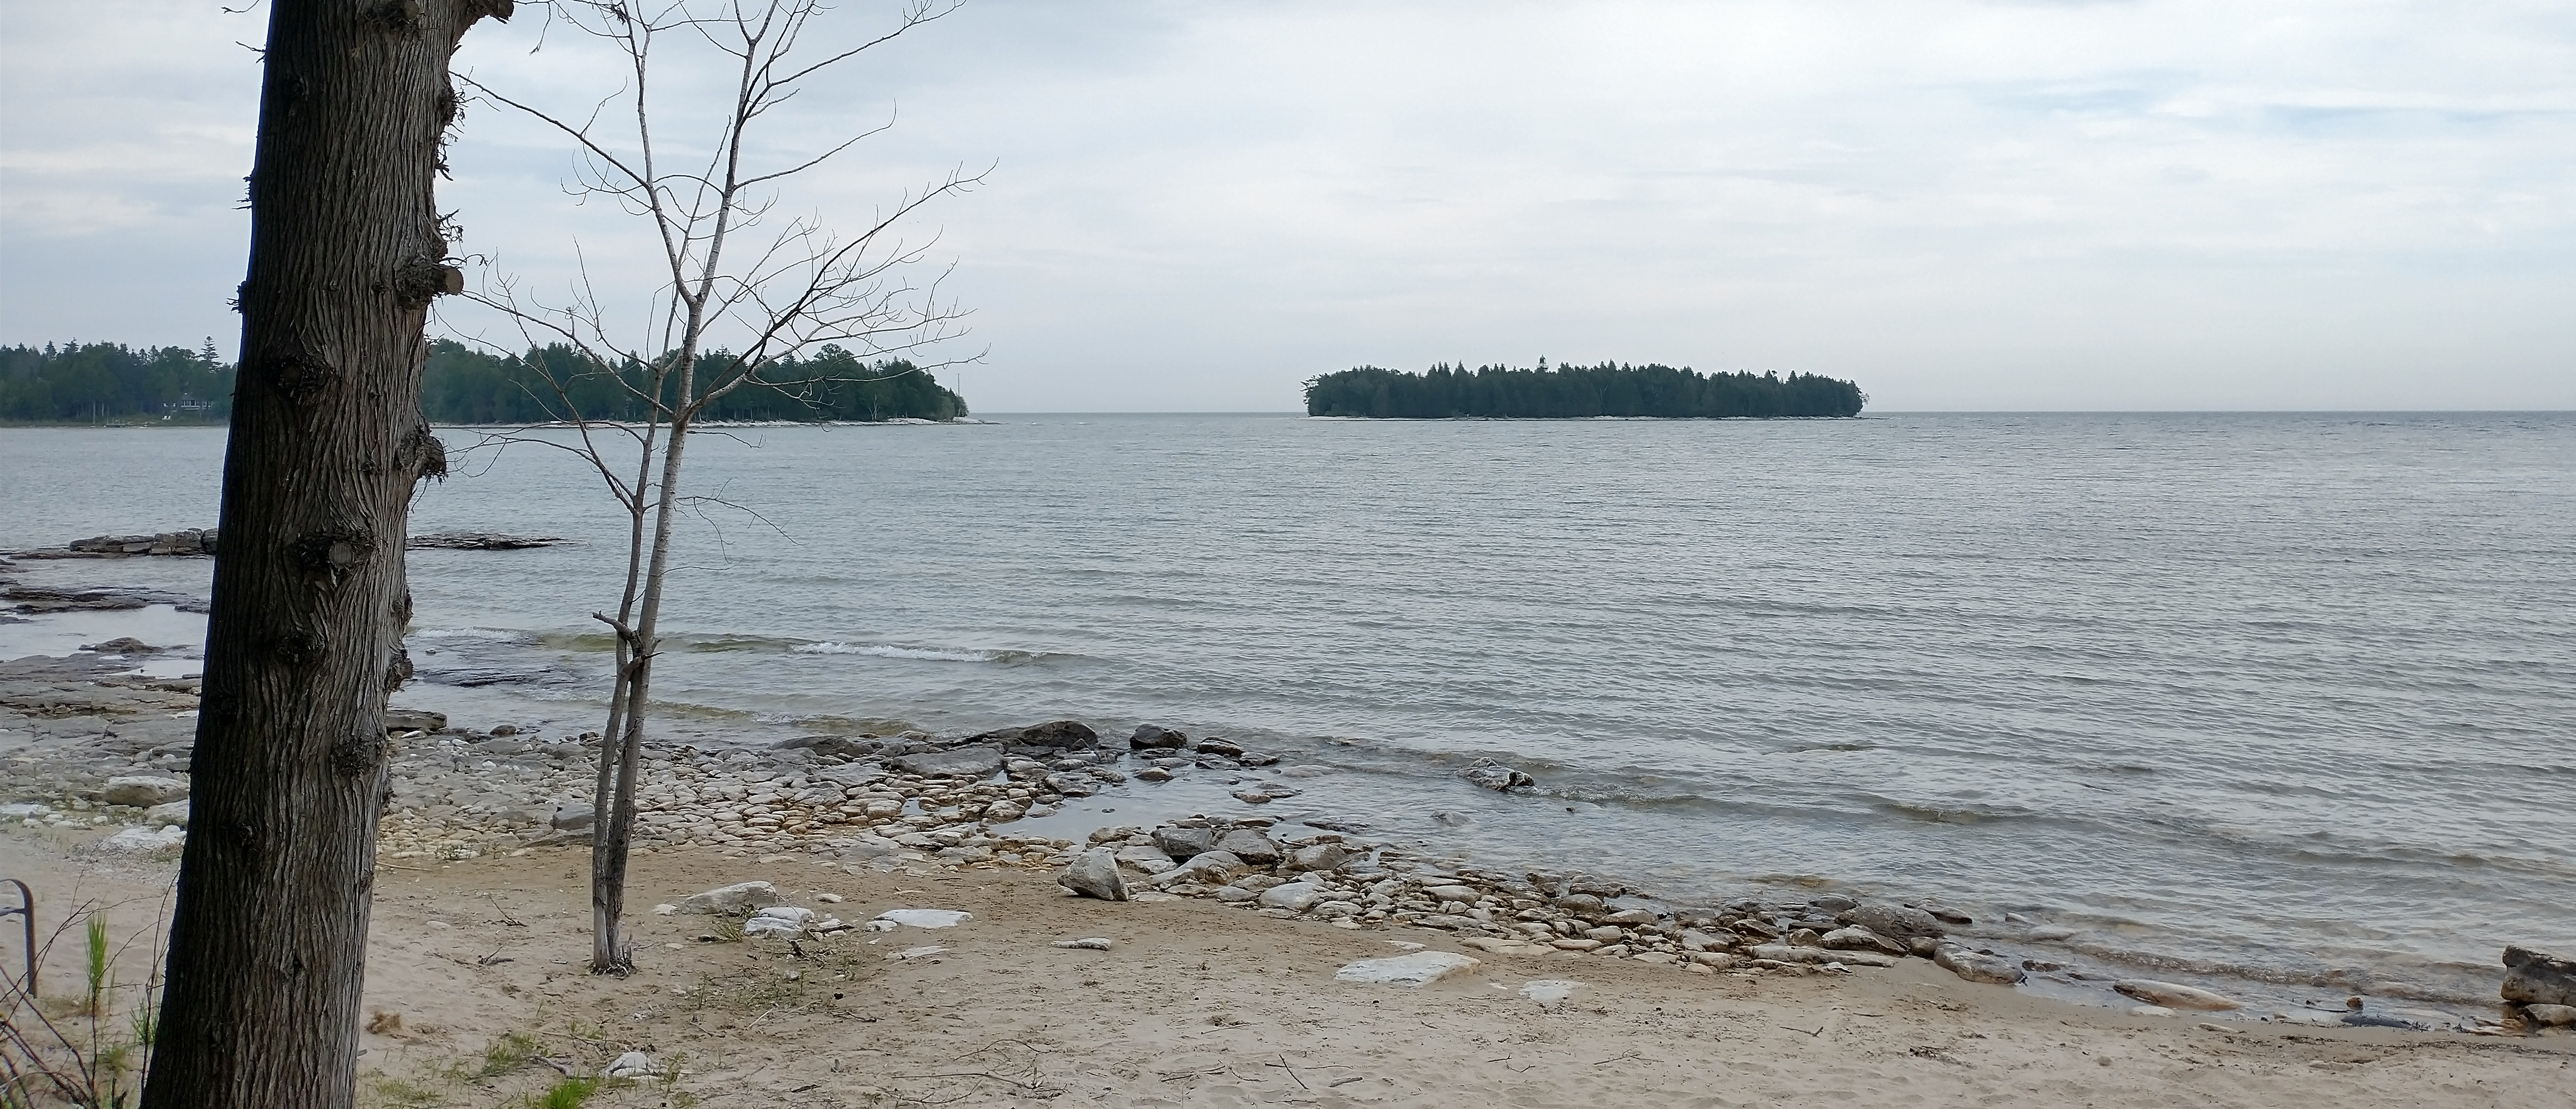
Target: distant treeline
(466, 386)
(112, 383)
(91, 383)
(1575, 391)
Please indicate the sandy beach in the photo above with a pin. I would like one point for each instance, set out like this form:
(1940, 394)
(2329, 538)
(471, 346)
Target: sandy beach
(1194, 1004)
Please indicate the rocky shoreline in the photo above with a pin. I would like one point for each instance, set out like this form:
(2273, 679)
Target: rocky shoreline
(93, 748)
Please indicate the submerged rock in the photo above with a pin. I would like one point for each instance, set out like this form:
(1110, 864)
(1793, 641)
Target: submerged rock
(1149, 737)
(1066, 734)
(1496, 776)
(2535, 978)
(1896, 921)
(473, 541)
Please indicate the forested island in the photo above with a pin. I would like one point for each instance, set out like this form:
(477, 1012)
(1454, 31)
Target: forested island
(1569, 392)
(110, 383)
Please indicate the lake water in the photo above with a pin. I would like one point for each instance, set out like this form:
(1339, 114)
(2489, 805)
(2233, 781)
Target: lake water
(2287, 700)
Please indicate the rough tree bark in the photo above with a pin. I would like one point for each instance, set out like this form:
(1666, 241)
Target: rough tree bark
(268, 938)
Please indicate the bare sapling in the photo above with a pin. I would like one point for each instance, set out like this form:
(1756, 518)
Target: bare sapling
(739, 304)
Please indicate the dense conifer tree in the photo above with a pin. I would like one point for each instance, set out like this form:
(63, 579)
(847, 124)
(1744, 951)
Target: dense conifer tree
(1448, 391)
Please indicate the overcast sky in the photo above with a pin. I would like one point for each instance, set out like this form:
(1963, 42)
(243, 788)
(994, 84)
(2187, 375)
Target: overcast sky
(1195, 206)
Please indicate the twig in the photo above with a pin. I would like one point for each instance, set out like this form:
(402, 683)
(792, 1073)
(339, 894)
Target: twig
(1292, 1071)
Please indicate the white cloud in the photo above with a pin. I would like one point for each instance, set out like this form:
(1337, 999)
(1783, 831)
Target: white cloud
(2152, 204)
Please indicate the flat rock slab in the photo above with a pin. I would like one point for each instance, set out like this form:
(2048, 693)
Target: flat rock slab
(1549, 991)
(741, 897)
(977, 761)
(480, 541)
(926, 918)
(1417, 968)
(1818, 956)
(2173, 996)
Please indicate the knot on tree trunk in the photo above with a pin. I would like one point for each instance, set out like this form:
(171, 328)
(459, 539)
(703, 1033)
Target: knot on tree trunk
(422, 453)
(294, 648)
(330, 555)
(357, 754)
(422, 280)
(398, 672)
(299, 377)
(399, 17)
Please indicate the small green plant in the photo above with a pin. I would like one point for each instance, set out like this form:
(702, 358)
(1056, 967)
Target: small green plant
(387, 1092)
(569, 1093)
(95, 967)
(69, 1051)
(511, 1052)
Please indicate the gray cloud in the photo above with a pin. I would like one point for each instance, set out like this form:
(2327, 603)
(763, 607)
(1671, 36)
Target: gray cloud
(2133, 205)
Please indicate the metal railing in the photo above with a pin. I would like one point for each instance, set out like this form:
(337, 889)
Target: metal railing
(26, 914)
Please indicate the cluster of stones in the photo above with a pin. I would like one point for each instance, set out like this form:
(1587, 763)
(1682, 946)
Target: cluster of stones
(151, 809)
(899, 800)
(189, 541)
(1358, 884)
(462, 794)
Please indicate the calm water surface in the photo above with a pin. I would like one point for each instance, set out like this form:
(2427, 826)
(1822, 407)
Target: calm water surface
(2288, 699)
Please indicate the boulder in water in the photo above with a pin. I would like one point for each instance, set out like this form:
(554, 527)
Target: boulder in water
(1895, 921)
(1976, 966)
(2536, 978)
(1150, 737)
(1496, 776)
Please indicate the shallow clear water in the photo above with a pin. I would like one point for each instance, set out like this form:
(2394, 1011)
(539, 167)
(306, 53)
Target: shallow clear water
(2290, 697)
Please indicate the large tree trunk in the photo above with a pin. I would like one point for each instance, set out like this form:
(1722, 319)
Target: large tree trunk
(268, 940)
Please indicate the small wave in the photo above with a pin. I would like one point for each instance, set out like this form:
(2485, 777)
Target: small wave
(922, 654)
(480, 635)
(1950, 814)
